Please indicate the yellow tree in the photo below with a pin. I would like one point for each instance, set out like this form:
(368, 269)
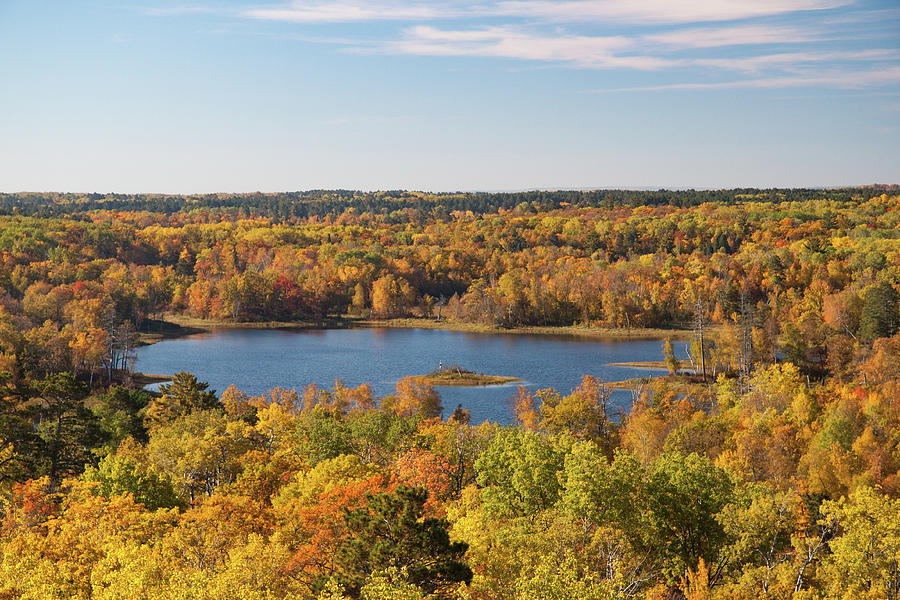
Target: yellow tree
(413, 396)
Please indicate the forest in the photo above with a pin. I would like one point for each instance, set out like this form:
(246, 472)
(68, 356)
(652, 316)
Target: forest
(769, 469)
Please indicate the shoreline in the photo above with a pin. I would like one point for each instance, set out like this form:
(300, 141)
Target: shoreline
(654, 365)
(178, 326)
(142, 380)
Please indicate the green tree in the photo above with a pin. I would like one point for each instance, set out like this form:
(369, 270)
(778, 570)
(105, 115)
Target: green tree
(199, 451)
(120, 475)
(584, 413)
(519, 473)
(880, 316)
(323, 434)
(684, 495)
(605, 493)
(119, 412)
(865, 557)
(759, 525)
(68, 431)
(182, 396)
(555, 579)
(20, 446)
(390, 532)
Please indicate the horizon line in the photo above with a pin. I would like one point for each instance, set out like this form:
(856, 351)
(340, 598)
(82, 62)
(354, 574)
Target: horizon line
(471, 191)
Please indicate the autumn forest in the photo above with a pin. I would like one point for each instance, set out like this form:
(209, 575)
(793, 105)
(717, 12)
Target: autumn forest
(766, 464)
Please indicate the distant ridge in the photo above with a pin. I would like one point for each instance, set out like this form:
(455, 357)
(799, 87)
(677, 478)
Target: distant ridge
(321, 203)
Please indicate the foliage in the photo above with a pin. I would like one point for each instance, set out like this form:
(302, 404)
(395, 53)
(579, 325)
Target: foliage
(880, 316)
(778, 476)
(390, 532)
(118, 475)
(865, 558)
(180, 397)
(519, 473)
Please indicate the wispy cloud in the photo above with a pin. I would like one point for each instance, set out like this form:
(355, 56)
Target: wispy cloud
(795, 60)
(509, 42)
(713, 37)
(659, 11)
(832, 79)
(609, 52)
(606, 11)
(706, 40)
(350, 11)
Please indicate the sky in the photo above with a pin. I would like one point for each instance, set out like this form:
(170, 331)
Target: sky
(188, 96)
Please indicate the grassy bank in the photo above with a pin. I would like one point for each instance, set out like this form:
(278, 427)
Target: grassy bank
(142, 379)
(649, 364)
(679, 384)
(602, 333)
(175, 326)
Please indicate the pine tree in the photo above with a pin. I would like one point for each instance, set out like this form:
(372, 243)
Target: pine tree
(390, 532)
(880, 316)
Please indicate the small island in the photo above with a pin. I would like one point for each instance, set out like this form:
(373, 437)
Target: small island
(456, 375)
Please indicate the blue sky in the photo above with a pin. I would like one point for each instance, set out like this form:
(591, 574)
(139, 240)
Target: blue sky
(172, 96)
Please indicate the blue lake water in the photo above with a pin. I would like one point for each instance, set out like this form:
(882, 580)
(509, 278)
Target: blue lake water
(258, 360)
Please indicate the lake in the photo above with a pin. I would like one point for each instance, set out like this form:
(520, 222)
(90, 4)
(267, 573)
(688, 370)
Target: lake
(256, 360)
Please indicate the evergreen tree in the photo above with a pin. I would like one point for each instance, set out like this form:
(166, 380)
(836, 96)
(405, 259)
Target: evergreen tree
(880, 316)
(67, 430)
(182, 396)
(391, 533)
